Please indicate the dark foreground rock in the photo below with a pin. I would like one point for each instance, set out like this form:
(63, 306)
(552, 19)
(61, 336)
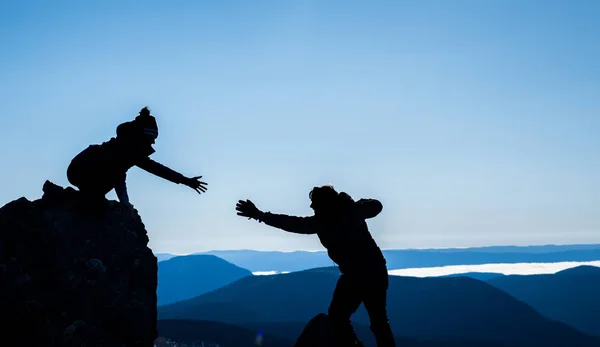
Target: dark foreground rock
(317, 333)
(69, 277)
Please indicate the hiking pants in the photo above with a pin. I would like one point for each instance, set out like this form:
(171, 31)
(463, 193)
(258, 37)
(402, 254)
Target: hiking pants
(352, 290)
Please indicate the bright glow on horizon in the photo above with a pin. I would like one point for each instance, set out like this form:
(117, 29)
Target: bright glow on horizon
(505, 269)
(269, 273)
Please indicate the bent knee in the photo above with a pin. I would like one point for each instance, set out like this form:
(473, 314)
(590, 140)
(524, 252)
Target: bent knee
(73, 175)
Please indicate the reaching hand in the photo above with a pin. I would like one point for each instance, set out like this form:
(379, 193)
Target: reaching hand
(247, 209)
(197, 185)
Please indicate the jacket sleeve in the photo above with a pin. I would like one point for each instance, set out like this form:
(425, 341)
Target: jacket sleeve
(292, 224)
(161, 170)
(121, 190)
(369, 208)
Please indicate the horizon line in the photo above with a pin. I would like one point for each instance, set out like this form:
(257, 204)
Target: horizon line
(384, 249)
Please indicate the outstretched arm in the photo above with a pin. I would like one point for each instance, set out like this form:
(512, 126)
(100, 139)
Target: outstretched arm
(369, 208)
(121, 190)
(171, 175)
(293, 224)
(161, 171)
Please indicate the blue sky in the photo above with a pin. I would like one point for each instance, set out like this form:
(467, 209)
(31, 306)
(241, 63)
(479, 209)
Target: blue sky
(474, 122)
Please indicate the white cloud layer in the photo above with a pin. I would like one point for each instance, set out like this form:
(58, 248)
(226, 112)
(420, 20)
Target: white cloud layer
(505, 269)
(267, 273)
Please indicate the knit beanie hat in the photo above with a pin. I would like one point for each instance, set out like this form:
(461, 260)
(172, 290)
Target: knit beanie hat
(324, 192)
(147, 123)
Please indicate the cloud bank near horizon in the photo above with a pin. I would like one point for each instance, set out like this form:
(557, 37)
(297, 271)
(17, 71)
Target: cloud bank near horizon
(505, 269)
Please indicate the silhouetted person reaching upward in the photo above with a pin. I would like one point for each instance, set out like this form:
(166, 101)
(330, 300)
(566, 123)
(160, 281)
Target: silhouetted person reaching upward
(340, 224)
(100, 168)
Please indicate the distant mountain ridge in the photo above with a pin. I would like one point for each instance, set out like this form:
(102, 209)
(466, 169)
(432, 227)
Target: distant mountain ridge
(433, 308)
(415, 259)
(571, 296)
(519, 249)
(256, 261)
(275, 261)
(184, 277)
(164, 256)
(482, 276)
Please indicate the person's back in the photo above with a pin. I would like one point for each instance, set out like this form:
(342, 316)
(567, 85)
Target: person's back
(344, 232)
(130, 146)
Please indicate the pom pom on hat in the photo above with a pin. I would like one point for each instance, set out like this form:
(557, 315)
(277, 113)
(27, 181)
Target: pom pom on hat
(147, 122)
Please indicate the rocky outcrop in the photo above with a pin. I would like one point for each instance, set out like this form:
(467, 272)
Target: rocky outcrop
(70, 276)
(316, 333)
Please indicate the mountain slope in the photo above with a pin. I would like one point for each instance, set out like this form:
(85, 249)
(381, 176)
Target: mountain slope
(184, 277)
(482, 276)
(570, 296)
(400, 259)
(274, 260)
(164, 256)
(434, 308)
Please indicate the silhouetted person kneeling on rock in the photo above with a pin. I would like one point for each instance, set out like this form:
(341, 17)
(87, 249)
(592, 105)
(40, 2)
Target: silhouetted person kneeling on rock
(100, 168)
(340, 224)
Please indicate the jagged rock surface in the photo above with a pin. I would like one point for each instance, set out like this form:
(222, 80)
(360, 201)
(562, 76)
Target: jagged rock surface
(71, 278)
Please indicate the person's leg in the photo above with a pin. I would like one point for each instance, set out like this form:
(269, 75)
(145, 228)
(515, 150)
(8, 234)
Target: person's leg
(94, 192)
(75, 170)
(375, 301)
(346, 300)
(85, 170)
(86, 173)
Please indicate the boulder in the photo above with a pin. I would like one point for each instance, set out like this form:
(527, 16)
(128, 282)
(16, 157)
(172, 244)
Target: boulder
(70, 276)
(316, 333)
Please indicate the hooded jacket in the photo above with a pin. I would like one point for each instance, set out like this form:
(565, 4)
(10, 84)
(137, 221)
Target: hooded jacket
(106, 165)
(132, 150)
(344, 233)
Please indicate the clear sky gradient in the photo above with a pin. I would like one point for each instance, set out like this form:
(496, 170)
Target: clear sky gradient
(474, 122)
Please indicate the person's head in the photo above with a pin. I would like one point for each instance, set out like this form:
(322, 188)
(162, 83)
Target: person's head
(147, 125)
(323, 199)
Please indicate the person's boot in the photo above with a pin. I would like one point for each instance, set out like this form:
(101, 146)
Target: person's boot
(91, 205)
